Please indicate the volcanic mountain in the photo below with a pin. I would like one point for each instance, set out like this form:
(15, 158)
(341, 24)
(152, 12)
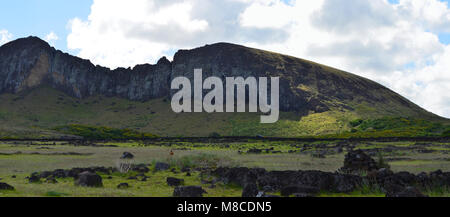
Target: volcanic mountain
(42, 88)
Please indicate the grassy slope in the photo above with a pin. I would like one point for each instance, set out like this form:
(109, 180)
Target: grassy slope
(36, 113)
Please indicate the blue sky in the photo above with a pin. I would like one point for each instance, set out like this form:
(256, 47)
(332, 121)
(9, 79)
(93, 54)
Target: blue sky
(23, 18)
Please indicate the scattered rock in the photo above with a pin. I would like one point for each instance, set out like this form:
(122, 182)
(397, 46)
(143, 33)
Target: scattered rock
(161, 166)
(4, 186)
(141, 168)
(189, 191)
(123, 186)
(89, 179)
(254, 151)
(174, 181)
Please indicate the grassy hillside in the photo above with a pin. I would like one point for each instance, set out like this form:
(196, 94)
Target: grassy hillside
(45, 112)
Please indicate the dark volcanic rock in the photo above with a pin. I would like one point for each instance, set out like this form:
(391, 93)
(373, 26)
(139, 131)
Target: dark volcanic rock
(51, 180)
(161, 166)
(299, 189)
(188, 191)
(123, 186)
(127, 155)
(89, 179)
(4, 186)
(240, 176)
(174, 181)
(29, 62)
(60, 173)
(405, 192)
(250, 190)
(254, 151)
(358, 161)
(141, 168)
(276, 180)
(332, 182)
(34, 178)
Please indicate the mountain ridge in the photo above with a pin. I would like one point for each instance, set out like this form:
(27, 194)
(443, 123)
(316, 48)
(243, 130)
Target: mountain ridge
(308, 90)
(36, 62)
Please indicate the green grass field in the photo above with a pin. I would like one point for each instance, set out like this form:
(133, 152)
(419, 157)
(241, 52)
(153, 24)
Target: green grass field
(23, 158)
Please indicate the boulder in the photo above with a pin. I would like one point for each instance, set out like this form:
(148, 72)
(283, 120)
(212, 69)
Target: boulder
(189, 191)
(123, 186)
(161, 166)
(174, 181)
(4, 186)
(88, 179)
(254, 151)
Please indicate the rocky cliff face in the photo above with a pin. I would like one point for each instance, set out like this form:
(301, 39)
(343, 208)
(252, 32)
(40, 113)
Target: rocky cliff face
(304, 86)
(29, 62)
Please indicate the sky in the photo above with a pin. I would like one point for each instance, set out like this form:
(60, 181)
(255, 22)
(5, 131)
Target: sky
(402, 44)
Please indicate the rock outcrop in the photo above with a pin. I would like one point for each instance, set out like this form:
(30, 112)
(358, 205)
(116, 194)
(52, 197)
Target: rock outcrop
(30, 62)
(309, 183)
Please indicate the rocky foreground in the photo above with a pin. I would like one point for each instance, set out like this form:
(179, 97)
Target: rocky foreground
(359, 171)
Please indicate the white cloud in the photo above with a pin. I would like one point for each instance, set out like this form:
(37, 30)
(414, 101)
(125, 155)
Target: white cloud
(5, 36)
(395, 44)
(51, 37)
